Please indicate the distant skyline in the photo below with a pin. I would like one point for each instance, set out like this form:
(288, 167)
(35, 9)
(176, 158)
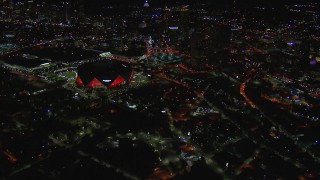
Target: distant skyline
(101, 7)
(158, 2)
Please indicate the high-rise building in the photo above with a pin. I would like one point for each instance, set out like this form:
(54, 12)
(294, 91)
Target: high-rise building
(67, 12)
(147, 9)
(30, 5)
(81, 7)
(146, 4)
(2, 2)
(11, 4)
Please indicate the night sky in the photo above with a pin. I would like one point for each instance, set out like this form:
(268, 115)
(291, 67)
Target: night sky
(222, 3)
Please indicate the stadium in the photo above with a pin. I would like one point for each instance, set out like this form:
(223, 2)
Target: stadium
(106, 73)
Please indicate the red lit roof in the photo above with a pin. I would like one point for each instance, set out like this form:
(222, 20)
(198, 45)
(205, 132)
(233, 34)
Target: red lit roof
(79, 81)
(94, 82)
(117, 81)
